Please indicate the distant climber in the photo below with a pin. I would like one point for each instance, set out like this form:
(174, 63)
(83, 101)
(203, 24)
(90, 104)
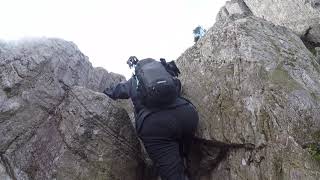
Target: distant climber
(165, 121)
(198, 33)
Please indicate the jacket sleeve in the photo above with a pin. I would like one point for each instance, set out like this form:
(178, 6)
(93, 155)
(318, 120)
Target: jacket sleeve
(120, 91)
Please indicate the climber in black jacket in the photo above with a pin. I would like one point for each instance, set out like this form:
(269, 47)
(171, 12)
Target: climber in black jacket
(165, 131)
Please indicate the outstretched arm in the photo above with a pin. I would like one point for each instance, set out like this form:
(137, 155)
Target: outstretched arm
(120, 91)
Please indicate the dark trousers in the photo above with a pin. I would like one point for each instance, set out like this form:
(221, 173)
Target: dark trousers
(167, 136)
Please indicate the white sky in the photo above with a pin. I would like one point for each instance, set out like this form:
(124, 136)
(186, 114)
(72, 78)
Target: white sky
(109, 31)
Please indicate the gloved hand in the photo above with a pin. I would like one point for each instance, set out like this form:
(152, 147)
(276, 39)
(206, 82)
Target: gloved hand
(108, 91)
(172, 65)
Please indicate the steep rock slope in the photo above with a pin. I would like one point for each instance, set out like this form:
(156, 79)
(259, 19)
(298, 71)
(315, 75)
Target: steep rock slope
(301, 16)
(52, 129)
(257, 89)
(255, 84)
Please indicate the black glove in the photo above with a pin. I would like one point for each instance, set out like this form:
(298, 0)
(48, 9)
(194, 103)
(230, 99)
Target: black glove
(108, 91)
(174, 69)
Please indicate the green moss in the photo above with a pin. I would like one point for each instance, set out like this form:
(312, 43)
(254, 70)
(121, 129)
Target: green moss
(314, 151)
(278, 161)
(313, 51)
(316, 136)
(282, 78)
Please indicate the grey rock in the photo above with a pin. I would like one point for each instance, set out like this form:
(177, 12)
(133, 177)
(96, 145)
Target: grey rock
(257, 89)
(313, 35)
(52, 125)
(3, 172)
(255, 84)
(317, 54)
(314, 3)
(297, 15)
(231, 9)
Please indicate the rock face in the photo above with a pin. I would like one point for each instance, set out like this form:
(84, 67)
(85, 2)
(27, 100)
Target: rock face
(232, 9)
(297, 15)
(52, 125)
(317, 49)
(313, 35)
(254, 77)
(257, 89)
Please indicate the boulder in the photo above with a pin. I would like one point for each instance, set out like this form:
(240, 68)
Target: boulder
(297, 15)
(257, 89)
(231, 9)
(54, 122)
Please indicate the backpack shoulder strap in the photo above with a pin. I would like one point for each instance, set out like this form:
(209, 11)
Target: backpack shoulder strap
(171, 67)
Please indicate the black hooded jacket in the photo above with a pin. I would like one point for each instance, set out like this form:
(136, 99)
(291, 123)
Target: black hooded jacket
(127, 89)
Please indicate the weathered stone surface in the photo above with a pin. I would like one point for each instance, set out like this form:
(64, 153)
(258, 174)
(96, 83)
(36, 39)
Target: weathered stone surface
(313, 35)
(231, 9)
(257, 89)
(3, 172)
(255, 84)
(317, 54)
(298, 15)
(50, 129)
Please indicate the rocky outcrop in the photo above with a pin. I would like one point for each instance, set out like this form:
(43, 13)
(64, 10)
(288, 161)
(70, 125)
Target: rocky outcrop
(253, 80)
(297, 15)
(313, 35)
(301, 16)
(317, 54)
(52, 125)
(233, 9)
(257, 89)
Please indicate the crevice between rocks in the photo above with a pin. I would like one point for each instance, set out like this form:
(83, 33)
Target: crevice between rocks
(207, 155)
(245, 7)
(131, 151)
(310, 44)
(214, 143)
(9, 169)
(146, 172)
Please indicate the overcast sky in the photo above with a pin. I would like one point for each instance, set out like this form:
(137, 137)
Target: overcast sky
(109, 31)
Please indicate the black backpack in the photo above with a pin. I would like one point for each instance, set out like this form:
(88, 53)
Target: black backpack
(157, 82)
